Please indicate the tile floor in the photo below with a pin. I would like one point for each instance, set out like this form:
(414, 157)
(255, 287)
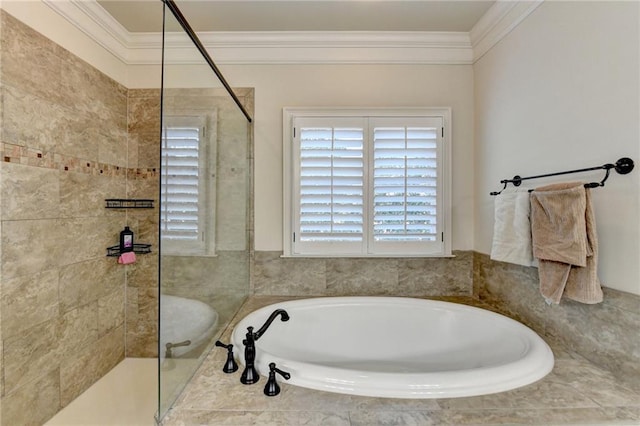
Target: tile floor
(576, 392)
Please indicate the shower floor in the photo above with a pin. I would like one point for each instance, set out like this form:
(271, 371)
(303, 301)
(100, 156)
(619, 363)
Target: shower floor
(126, 396)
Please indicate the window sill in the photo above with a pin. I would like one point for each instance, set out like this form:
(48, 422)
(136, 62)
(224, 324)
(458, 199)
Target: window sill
(370, 256)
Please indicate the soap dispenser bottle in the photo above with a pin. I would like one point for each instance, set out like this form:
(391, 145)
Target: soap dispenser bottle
(126, 240)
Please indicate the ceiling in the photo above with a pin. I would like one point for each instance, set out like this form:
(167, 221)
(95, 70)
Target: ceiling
(138, 16)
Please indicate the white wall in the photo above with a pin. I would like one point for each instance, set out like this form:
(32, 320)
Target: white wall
(278, 86)
(562, 92)
(353, 85)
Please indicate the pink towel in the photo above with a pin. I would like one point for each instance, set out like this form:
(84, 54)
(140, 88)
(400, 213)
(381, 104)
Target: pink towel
(126, 258)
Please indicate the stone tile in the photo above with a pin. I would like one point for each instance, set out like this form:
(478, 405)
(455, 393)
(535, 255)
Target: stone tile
(85, 282)
(347, 277)
(29, 192)
(274, 275)
(82, 239)
(423, 277)
(144, 112)
(29, 300)
(597, 384)
(392, 418)
(34, 403)
(31, 245)
(31, 354)
(111, 311)
(143, 273)
(544, 394)
(80, 369)
(20, 45)
(540, 417)
(78, 328)
(232, 418)
(83, 194)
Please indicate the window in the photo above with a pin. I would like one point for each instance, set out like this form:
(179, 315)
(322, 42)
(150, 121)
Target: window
(187, 193)
(366, 182)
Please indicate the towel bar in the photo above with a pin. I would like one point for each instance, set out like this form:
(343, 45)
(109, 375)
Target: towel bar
(623, 166)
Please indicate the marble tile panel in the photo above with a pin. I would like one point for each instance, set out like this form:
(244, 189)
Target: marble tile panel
(231, 216)
(540, 417)
(346, 277)
(29, 192)
(90, 92)
(275, 275)
(143, 273)
(85, 282)
(31, 245)
(113, 148)
(142, 322)
(393, 418)
(257, 418)
(204, 277)
(88, 238)
(144, 113)
(232, 418)
(22, 45)
(87, 363)
(420, 277)
(144, 148)
(31, 354)
(28, 300)
(34, 403)
(111, 309)
(78, 328)
(83, 194)
(599, 385)
(544, 394)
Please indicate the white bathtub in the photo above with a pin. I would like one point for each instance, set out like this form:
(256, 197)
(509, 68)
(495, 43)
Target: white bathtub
(183, 319)
(396, 347)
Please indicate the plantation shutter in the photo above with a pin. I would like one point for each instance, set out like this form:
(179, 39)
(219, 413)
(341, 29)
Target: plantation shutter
(330, 191)
(366, 182)
(405, 182)
(182, 185)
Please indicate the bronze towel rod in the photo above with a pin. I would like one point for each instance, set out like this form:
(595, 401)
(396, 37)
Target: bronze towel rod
(622, 166)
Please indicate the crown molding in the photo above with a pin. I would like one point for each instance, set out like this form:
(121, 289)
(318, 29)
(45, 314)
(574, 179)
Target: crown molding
(497, 22)
(297, 47)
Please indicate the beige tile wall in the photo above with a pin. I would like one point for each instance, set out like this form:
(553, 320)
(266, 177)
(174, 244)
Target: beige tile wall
(63, 150)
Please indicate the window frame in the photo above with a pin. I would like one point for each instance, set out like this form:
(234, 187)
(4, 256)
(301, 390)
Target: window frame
(205, 244)
(290, 114)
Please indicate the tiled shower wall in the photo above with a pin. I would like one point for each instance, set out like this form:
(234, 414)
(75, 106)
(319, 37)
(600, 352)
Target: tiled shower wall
(64, 147)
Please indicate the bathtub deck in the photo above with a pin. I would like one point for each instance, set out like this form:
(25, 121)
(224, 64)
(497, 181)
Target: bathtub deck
(576, 392)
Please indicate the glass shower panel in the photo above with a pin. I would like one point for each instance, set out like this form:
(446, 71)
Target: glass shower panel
(205, 205)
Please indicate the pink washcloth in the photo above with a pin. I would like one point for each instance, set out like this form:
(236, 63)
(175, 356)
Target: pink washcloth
(126, 258)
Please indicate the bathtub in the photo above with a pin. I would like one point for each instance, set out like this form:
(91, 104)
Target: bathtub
(396, 347)
(183, 319)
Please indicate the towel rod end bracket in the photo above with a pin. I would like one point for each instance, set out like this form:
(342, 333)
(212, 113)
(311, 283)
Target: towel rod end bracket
(624, 165)
(516, 181)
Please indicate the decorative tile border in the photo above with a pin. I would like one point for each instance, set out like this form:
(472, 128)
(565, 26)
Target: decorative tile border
(27, 156)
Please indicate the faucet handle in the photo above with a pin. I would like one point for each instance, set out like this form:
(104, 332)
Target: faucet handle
(230, 365)
(272, 388)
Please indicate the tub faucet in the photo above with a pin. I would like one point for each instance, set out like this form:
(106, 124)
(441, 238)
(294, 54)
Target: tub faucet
(250, 374)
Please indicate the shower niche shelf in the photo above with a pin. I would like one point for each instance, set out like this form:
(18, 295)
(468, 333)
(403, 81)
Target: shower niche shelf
(114, 251)
(128, 203)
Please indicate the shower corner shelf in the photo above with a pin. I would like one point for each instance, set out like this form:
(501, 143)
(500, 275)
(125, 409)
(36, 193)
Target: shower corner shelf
(128, 203)
(114, 251)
